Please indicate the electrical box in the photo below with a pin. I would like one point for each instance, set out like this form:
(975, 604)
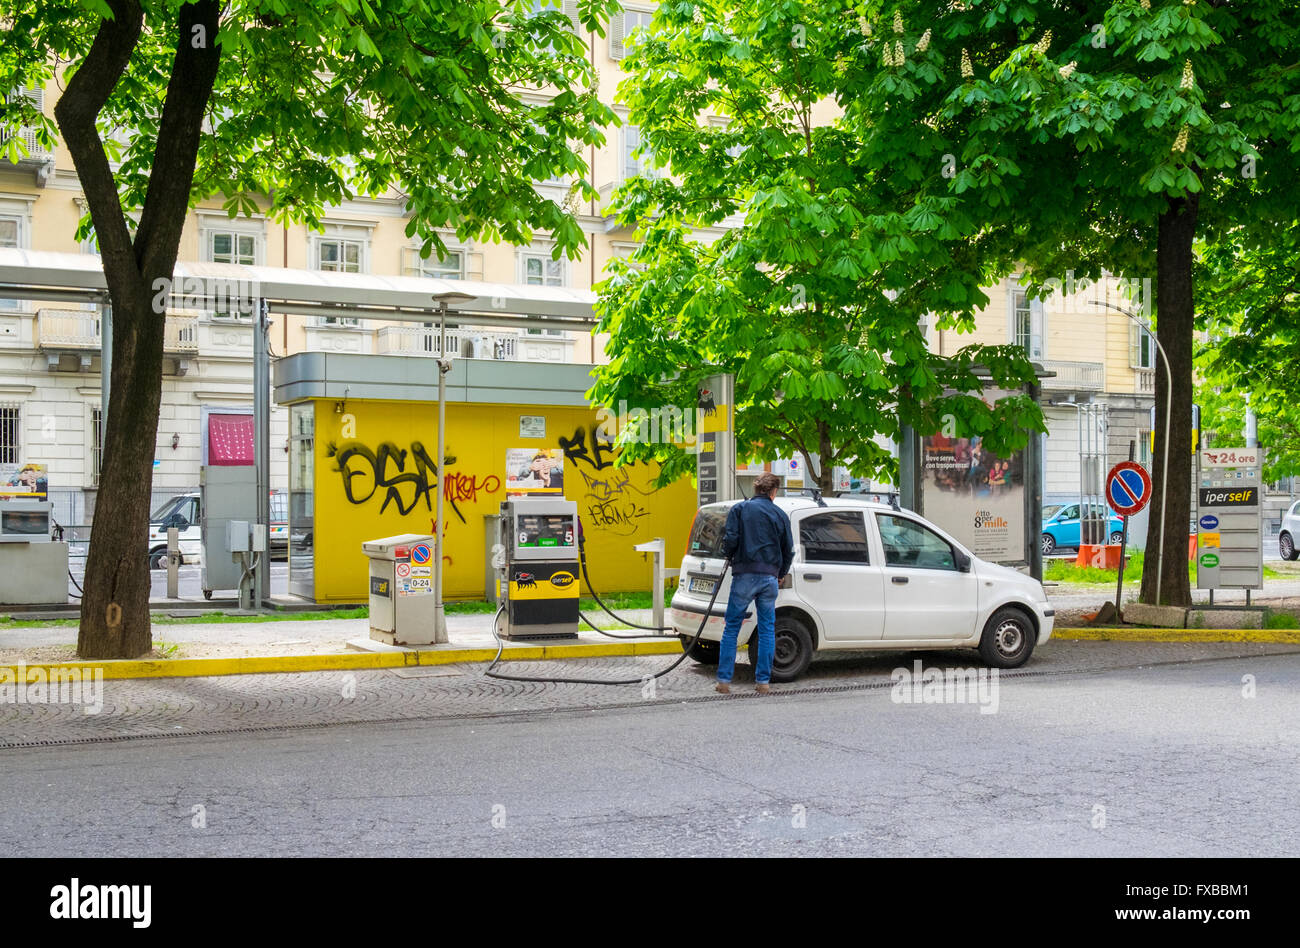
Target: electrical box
(237, 536)
(401, 589)
(538, 579)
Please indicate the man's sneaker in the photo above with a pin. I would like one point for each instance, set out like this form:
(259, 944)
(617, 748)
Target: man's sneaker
(763, 689)
(722, 688)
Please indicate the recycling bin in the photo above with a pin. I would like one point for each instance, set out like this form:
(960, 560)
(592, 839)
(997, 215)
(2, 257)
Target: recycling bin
(401, 589)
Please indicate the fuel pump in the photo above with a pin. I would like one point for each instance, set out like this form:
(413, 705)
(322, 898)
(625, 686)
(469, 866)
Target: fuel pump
(538, 580)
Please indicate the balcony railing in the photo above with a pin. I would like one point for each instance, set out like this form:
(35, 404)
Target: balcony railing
(67, 329)
(181, 332)
(1146, 381)
(1076, 376)
(462, 343)
(79, 329)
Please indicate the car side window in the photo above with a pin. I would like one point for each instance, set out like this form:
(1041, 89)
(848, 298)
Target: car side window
(1070, 513)
(908, 543)
(837, 536)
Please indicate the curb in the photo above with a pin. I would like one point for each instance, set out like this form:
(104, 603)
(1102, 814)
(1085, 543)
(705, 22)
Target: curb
(352, 661)
(1263, 636)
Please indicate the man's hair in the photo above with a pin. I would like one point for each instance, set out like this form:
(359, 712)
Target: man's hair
(764, 483)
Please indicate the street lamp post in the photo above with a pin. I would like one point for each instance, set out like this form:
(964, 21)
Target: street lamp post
(1164, 477)
(444, 366)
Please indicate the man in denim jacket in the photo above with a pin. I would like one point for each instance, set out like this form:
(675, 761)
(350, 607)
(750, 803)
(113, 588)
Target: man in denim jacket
(761, 548)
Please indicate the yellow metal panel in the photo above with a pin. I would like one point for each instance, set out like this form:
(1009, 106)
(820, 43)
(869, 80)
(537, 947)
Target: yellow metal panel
(375, 477)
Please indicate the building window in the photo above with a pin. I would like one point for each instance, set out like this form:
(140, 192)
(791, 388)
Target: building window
(236, 248)
(1145, 447)
(1027, 323)
(96, 445)
(622, 28)
(634, 166)
(337, 255)
(1141, 348)
(10, 434)
(226, 247)
(450, 266)
(11, 236)
(540, 270)
(340, 256)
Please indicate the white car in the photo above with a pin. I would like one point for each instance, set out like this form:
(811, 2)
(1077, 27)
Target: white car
(865, 576)
(1289, 534)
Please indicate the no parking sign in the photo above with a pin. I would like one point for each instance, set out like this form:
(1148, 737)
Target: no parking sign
(1128, 488)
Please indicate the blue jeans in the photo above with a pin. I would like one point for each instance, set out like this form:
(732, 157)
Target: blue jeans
(760, 590)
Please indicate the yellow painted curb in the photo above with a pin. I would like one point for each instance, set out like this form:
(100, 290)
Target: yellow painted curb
(350, 661)
(1268, 636)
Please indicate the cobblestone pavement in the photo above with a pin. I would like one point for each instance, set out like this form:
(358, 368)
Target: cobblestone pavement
(188, 706)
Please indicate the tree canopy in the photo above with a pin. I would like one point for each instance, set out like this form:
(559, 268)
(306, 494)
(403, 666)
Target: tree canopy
(795, 246)
(289, 107)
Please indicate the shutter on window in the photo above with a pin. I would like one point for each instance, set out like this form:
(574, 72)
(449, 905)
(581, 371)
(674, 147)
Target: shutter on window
(411, 261)
(1134, 345)
(617, 25)
(571, 11)
(1037, 319)
(473, 265)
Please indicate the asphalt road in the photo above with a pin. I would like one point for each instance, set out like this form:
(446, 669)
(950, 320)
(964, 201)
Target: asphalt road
(1154, 751)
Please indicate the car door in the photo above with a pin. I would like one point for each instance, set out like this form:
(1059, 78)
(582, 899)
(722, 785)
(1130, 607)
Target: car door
(835, 576)
(1067, 526)
(927, 596)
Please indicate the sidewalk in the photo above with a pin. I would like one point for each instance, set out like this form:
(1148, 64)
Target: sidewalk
(228, 647)
(290, 645)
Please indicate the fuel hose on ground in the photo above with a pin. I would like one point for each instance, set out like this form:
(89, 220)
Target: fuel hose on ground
(686, 649)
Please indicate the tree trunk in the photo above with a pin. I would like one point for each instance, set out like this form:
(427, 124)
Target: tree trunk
(115, 601)
(1175, 325)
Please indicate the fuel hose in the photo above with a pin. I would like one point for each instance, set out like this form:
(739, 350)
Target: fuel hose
(491, 672)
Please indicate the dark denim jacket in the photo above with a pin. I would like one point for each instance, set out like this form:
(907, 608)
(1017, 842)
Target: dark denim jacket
(758, 538)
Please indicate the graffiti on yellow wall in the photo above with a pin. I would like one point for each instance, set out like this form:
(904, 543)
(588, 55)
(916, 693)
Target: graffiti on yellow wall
(377, 476)
(611, 500)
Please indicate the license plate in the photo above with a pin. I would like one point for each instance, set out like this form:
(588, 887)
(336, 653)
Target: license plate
(705, 586)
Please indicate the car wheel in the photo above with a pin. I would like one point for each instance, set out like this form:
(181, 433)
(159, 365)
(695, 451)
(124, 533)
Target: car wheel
(1116, 538)
(1008, 639)
(794, 649)
(1286, 546)
(207, 594)
(704, 652)
(1049, 544)
(158, 558)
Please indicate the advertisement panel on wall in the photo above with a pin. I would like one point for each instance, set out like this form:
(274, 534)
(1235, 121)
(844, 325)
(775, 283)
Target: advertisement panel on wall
(24, 481)
(535, 470)
(975, 495)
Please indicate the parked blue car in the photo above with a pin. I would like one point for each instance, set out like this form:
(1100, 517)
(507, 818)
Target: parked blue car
(1061, 526)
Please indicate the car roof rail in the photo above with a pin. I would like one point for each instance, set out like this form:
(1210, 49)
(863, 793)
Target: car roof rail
(814, 492)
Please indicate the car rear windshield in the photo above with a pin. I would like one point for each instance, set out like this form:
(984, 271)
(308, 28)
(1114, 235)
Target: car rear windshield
(706, 535)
